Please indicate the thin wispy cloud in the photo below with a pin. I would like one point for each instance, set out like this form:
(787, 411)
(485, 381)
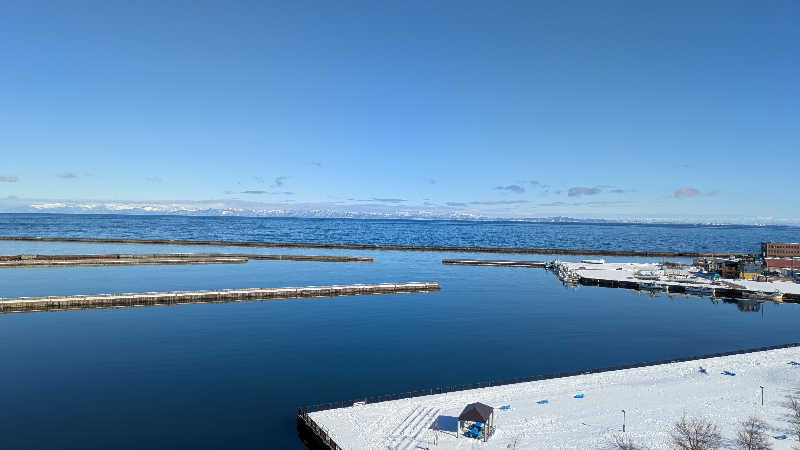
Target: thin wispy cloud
(534, 182)
(607, 203)
(261, 192)
(68, 175)
(316, 164)
(386, 200)
(580, 190)
(552, 204)
(500, 202)
(617, 191)
(279, 181)
(9, 178)
(593, 204)
(430, 181)
(686, 192)
(487, 203)
(515, 188)
(154, 179)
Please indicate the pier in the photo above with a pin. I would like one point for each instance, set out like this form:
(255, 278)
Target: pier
(63, 302)
(658, 278)
(580, 409)
(494, 262)
(435, 248)
(32, 260)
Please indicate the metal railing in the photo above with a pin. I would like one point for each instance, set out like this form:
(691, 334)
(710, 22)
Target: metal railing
(304, 411)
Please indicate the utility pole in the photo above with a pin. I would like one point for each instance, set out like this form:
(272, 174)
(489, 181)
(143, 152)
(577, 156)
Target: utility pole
(762, 395)
(623, 420)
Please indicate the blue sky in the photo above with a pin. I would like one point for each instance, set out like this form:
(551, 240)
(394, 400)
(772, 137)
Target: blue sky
(584, 109)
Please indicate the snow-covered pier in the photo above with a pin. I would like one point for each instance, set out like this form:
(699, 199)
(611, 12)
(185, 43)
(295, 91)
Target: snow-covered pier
(62, 302)
(135, 259)
(655, 278)
(578, 411)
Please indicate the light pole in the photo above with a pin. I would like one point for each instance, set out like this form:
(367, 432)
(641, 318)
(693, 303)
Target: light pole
(762, 395)
(623, 420)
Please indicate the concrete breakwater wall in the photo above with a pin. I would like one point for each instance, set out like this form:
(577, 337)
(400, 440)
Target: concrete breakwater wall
(112, 260)
(159, 258)
(494, 262)
(543, 251)
(734, 293)
(62, 302)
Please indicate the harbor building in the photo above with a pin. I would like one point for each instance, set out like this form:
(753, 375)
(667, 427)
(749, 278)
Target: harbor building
(751, 268)
(780, 250)
(725, 267)
(787, 267)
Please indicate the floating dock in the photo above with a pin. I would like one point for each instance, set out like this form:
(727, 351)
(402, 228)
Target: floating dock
(63, 302)
(435, 248)
(571, 410)
(494, 262)
(15, 261)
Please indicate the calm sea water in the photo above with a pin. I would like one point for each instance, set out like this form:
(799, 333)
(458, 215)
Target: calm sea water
(232, 375)
(414, 232)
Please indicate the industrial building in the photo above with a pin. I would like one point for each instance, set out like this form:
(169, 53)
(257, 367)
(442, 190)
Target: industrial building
(780, 250)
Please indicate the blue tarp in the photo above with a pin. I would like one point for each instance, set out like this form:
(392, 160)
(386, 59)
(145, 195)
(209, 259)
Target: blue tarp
(542, 402)
(579, 396)
(505, 407)
(729, 373)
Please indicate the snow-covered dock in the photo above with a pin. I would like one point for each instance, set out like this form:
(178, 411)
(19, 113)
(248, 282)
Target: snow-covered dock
(655, 278)
(654, 398)
(135, 259)
(64, 302)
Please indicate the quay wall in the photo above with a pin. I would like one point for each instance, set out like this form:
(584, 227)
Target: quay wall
(494, 262)
(55, 303)
(544, 251)
(730, 292)
(316, 437)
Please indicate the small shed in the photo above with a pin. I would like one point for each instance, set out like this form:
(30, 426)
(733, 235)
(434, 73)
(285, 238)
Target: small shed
(477, 413)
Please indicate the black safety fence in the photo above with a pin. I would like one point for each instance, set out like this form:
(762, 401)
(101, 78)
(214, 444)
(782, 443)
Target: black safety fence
(324, 436)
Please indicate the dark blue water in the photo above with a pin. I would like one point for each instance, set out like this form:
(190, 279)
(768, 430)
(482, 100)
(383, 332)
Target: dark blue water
(414, 232)
(232, 375)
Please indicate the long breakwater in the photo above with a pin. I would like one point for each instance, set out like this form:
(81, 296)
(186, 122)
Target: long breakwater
(224, 243)
(33, 260)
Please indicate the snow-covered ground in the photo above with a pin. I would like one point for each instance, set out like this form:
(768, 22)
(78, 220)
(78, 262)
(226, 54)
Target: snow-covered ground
(654, 398)
(627, 271)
